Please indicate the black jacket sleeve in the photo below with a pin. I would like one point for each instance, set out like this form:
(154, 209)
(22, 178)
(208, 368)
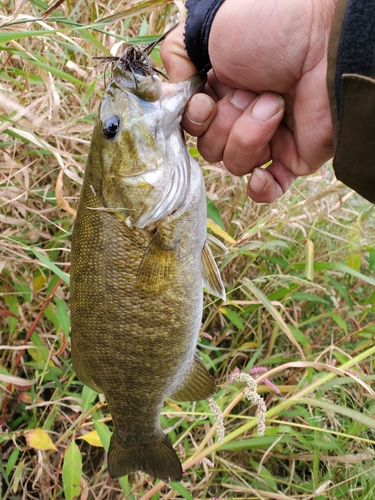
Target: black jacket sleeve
(201, 13)
(351, 88)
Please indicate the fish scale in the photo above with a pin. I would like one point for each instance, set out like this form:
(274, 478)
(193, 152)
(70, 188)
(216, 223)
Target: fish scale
(140, 258)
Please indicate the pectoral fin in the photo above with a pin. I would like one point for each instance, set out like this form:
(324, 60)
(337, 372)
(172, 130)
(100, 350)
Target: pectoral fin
(197, 385)
(159, 264)
(211, 275)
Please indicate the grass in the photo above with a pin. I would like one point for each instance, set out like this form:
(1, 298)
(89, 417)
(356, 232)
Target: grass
(299, 275)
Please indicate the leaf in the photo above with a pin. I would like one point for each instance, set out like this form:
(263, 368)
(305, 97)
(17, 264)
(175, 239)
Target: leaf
(353, 259)
(13, 308)
(339, 321)
(88, 397)
(59, 191)
(92, 438)
(72, 471)
(12, 379)
(181, 490)
(219, 231)
(214, 214)
(39, 281)
(274, 313)
(12, 460)
(309, 297)
(233, 317)
(17, 475)
(62, 315)
(337, 266)
(342, 410)
(309, 266)
(44, 260)
(131, 11)
(299, 336)
(39, 439)
(50, 69)
(7, 36)
(104, 434)
(126, 487)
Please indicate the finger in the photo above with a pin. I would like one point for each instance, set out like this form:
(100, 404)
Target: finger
(248, 144)
(200, 111)
(213, 142)
(174, 56)
(268, 184)
(220, 89)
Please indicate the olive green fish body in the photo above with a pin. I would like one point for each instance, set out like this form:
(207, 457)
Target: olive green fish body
(140, 257)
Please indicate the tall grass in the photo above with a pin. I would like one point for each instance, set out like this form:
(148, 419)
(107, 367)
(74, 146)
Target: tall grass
(299, 312)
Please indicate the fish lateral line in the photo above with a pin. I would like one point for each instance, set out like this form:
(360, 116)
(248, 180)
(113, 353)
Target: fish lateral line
(109, 209)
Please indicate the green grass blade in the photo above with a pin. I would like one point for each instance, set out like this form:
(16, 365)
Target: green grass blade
(131, 11)
(274, 313)
(342, 410)
(50, 265)
(8, 36)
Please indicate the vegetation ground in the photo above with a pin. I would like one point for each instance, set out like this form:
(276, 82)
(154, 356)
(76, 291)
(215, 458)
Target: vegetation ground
(299, 275)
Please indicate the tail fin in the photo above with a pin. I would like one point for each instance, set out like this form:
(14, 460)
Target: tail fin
(156, 458)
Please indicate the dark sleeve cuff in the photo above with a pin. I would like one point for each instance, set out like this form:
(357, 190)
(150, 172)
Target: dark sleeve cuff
(351, 87)
(201, 13)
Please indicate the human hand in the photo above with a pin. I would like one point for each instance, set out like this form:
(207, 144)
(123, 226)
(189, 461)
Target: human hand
(267, 96)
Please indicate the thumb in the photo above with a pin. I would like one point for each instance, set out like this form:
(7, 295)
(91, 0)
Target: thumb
(174, 56)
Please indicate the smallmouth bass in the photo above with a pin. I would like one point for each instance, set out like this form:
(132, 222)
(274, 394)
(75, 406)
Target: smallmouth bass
(140, 258)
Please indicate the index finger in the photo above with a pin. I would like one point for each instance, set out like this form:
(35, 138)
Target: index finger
(174, 56)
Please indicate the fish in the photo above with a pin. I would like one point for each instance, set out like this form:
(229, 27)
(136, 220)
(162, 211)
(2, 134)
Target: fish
(140, 258)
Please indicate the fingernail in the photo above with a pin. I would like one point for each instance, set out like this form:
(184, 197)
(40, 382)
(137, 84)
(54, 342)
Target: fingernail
(199, 109)
(267, 105)
(258, 180)
(241, 99)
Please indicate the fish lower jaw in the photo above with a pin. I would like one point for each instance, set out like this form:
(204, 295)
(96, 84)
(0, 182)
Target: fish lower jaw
(152, 177)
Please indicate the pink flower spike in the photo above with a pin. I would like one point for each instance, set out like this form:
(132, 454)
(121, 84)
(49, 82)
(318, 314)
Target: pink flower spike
(258, 369)
(272, 385)
(206, 461)
(182, 451)
(206, 336)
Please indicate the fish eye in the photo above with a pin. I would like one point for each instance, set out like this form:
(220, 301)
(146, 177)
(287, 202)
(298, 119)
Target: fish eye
(110, 126)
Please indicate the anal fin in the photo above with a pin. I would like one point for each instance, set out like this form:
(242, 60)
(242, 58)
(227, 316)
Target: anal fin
(198, 384)
(211, 274)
